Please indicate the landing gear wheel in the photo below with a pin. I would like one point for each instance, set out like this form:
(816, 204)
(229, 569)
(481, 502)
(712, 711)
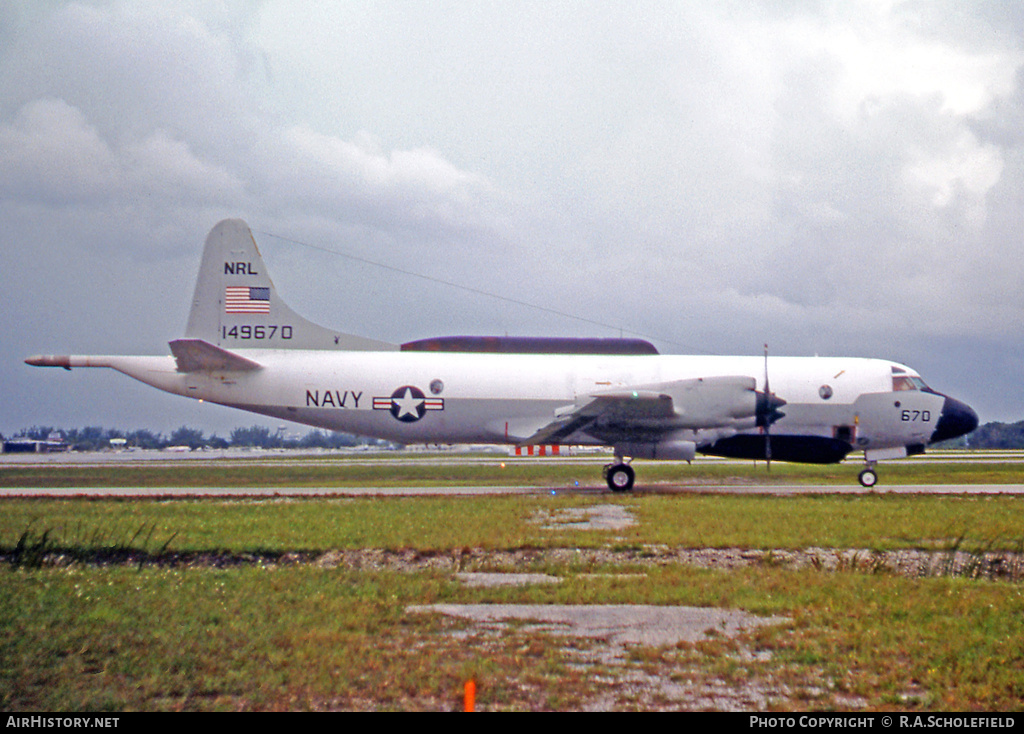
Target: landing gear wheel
(620, 477)
(868, 478)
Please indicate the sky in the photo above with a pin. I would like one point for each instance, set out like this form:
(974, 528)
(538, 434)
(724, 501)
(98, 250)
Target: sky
(830, 178)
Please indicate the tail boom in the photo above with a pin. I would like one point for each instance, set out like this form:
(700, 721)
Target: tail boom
(159, 372)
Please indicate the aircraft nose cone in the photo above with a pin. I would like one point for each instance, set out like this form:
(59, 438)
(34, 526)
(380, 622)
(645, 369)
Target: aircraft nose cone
(957, 419)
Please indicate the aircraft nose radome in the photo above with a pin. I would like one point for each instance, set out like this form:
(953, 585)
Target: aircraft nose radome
(957, 419)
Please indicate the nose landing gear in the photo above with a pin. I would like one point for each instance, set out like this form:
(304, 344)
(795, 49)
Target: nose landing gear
(868, 476)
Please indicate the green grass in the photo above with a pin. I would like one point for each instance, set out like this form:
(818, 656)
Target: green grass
(308, 638)
(141, 635)
(439, 523)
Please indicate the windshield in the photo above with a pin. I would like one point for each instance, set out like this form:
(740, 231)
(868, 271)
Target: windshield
(906, 382)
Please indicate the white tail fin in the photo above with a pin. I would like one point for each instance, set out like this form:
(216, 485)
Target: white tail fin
(235, 305)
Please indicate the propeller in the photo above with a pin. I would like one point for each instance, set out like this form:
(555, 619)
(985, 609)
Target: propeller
(767, 411)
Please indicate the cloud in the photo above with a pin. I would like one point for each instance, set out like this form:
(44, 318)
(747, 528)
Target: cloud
(833, 177)
(162, 166)
(399, 187)
(50, 153)
(130, 68)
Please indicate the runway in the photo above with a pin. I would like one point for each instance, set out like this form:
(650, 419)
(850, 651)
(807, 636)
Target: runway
(279, 492)
(350, 457)
(589, 463)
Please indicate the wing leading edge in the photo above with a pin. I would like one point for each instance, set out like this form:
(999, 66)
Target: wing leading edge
(647, 411)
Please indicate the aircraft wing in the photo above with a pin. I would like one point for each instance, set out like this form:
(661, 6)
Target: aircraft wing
(619, 415)
(197, 355)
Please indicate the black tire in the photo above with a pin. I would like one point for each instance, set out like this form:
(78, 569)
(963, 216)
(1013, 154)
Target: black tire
(868, 478)
(620, 478)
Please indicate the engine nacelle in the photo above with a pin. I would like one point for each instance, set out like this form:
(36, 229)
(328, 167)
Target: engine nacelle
(667, 450)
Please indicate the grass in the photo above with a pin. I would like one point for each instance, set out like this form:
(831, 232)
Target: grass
(37, 549)
(308, 638)
(877, 522)
(86, 634)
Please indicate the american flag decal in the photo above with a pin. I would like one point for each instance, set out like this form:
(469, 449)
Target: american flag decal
(246, 299)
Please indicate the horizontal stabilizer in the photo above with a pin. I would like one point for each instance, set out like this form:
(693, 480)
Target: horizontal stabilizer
(196, 355)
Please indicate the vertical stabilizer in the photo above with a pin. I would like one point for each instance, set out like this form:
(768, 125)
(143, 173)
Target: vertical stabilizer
(235, 305)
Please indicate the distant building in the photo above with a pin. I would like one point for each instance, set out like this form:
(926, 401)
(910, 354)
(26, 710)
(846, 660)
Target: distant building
(24, 445)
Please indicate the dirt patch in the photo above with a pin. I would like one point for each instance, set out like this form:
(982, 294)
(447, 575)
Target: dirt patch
(608, 648)
(596, 517)
(476, 580)
(617, 623)
(912, 563)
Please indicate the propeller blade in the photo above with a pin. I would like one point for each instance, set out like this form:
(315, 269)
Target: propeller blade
(767, 422)
(767, 411)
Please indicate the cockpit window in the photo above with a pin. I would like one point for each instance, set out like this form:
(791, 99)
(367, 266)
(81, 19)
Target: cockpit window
(903, 382)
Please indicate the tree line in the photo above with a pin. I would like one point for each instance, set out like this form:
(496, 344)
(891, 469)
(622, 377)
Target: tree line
(996, 436)
(94, 438)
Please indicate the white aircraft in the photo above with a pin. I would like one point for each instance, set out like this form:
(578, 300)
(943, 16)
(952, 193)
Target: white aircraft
(243, 347)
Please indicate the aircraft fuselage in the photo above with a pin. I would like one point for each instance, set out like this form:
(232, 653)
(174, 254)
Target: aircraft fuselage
(505, 398)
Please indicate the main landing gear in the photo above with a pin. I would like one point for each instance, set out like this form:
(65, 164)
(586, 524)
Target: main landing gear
(619, 476)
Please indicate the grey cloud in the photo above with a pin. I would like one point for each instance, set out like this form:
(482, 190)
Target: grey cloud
(829, 177)
(49, 152)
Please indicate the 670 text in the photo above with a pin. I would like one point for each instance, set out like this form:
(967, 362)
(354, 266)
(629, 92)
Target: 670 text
(910, 416)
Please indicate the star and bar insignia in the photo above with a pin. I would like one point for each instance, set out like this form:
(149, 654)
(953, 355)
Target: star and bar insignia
(408, 404)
